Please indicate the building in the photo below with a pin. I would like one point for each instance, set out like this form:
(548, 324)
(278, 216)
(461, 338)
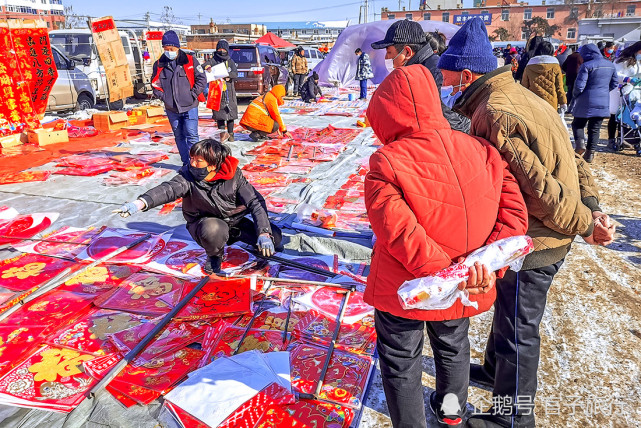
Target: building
(615, 28)
(507, 22)
(209, 41)
(308, 32)
(441, 4)
(50, 11)
(254, 30)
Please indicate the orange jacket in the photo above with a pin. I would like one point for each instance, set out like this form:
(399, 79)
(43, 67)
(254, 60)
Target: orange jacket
(263, 111)
(432, 194)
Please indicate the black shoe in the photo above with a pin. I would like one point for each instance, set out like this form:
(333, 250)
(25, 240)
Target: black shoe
(479, 376)
(588, 156)
(254, 136)
(450, 421)
(212, 265)
(487, 421)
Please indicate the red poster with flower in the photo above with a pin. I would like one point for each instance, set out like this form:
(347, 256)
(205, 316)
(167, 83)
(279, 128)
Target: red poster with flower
(17, 341)
(216, 299)
(29, 270)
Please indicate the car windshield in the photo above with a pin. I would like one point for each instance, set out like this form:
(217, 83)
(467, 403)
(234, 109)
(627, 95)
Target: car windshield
(74, 46)
(244, 55)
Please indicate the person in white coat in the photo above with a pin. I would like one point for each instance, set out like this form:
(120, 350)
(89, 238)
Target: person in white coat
(628, 66)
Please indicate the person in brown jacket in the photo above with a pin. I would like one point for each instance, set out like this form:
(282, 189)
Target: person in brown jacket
(300, 68)
(571, 69)
(562, 202)
(544, 77)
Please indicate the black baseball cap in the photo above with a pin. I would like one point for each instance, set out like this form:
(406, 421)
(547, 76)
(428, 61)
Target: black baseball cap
(402, 32)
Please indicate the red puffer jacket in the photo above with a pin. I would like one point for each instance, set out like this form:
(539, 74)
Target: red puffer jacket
(432, 194)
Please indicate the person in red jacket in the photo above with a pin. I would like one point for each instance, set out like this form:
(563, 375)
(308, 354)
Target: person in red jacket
(433, 195)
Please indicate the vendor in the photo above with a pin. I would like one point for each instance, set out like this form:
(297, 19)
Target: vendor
(262, 116)
(216, 198)
(310, 89)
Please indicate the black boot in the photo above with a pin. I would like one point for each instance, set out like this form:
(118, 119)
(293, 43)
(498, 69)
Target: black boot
(579, 147)
(254, 136)
(481, 377)
(589, 156)
(212, 265)
(454, 421)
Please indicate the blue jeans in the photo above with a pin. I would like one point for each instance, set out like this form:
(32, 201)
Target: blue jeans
(363, 88)
(185, 127)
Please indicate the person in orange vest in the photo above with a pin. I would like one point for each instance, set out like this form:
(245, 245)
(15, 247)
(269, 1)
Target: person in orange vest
(179, 80)
(262, 116)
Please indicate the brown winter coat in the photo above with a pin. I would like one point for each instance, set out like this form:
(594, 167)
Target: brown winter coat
(557, 186)
(299, 64)
(544, 77)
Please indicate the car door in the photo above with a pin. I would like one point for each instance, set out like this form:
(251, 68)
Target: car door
(62, 93)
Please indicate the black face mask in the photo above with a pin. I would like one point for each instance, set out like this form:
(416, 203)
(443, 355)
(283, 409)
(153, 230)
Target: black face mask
(198, 173)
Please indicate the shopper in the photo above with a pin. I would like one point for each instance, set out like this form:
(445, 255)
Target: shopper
(405, 43)
(571, 68)
(628, 67)
(363, 72)
(530, 48)
(227, 114)
(562, 202)
(179, 80)
(300, 68)
(597, 77)
(544, 77)
(432, 195)
(216, 200)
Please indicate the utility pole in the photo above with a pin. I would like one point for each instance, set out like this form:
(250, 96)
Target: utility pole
(199, 16)
(399, 4)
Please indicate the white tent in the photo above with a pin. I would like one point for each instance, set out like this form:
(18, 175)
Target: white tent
(340, 64)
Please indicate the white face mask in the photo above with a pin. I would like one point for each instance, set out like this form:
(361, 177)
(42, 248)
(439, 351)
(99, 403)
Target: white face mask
(171, 54)
(389, 63)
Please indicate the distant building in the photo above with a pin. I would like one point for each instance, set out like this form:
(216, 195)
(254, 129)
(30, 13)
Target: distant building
(209, 41)
(612, 28)
(308, 32)
(256, 30)
(509, 19)
(440, 4)
(50, 11)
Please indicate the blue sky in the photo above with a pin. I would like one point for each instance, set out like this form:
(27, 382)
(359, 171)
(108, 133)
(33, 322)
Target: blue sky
(237, 11)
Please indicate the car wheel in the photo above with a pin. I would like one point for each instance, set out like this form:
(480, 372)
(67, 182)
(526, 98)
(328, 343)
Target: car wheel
(140, 91)
(84, 102)
(116, 105)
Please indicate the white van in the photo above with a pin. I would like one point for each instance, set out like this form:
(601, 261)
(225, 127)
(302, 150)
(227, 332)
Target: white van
(78, 45)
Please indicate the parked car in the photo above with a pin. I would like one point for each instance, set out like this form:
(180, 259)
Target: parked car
(79, 46)
(259, 69)
(72, 90)
(313, 55)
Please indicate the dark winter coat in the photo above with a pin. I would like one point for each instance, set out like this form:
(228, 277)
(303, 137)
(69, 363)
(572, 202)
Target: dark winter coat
(571, 68)
(525, 58)
(310, 90)
(597, 77)
(229, 198)
(229, 104)
(562, 57)
(427, 58)
(177, 92)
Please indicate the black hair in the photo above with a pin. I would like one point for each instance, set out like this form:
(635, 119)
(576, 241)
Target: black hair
(609, 44)
(415, 47)
(436, 41)
(545, 48)
(214, 152)
(533, 43)
(358, 50)
(628, 55)
(599, 45)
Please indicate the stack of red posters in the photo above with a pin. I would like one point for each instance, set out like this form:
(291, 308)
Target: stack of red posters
(26, 271)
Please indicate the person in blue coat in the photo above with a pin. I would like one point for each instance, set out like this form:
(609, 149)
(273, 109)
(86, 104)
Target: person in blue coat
(591, 98)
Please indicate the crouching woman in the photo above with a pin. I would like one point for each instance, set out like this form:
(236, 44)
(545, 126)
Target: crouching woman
(216, 198)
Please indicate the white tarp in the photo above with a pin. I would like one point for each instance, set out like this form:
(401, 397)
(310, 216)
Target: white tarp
(340, 64)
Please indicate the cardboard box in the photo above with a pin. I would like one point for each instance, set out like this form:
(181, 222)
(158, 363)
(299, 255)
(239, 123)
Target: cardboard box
(151, 114)
(44, 136)
(110, 120)
(13, 140)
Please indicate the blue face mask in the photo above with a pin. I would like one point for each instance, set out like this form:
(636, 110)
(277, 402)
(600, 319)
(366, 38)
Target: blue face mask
(638, 57)
(171, 54)
(448, 97)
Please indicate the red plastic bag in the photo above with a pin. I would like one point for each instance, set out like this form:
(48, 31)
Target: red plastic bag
(215, 95)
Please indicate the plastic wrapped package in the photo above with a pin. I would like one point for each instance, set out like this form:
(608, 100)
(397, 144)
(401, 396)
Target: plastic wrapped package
(440, 290)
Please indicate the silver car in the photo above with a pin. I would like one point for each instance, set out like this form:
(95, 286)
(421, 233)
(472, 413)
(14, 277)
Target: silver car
(72, 90)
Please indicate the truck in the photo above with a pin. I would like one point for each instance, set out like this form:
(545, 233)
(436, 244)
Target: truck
(78, 46)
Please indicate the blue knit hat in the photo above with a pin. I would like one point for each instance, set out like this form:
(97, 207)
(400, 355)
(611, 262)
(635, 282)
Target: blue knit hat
(469, 49)
(170, 38)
